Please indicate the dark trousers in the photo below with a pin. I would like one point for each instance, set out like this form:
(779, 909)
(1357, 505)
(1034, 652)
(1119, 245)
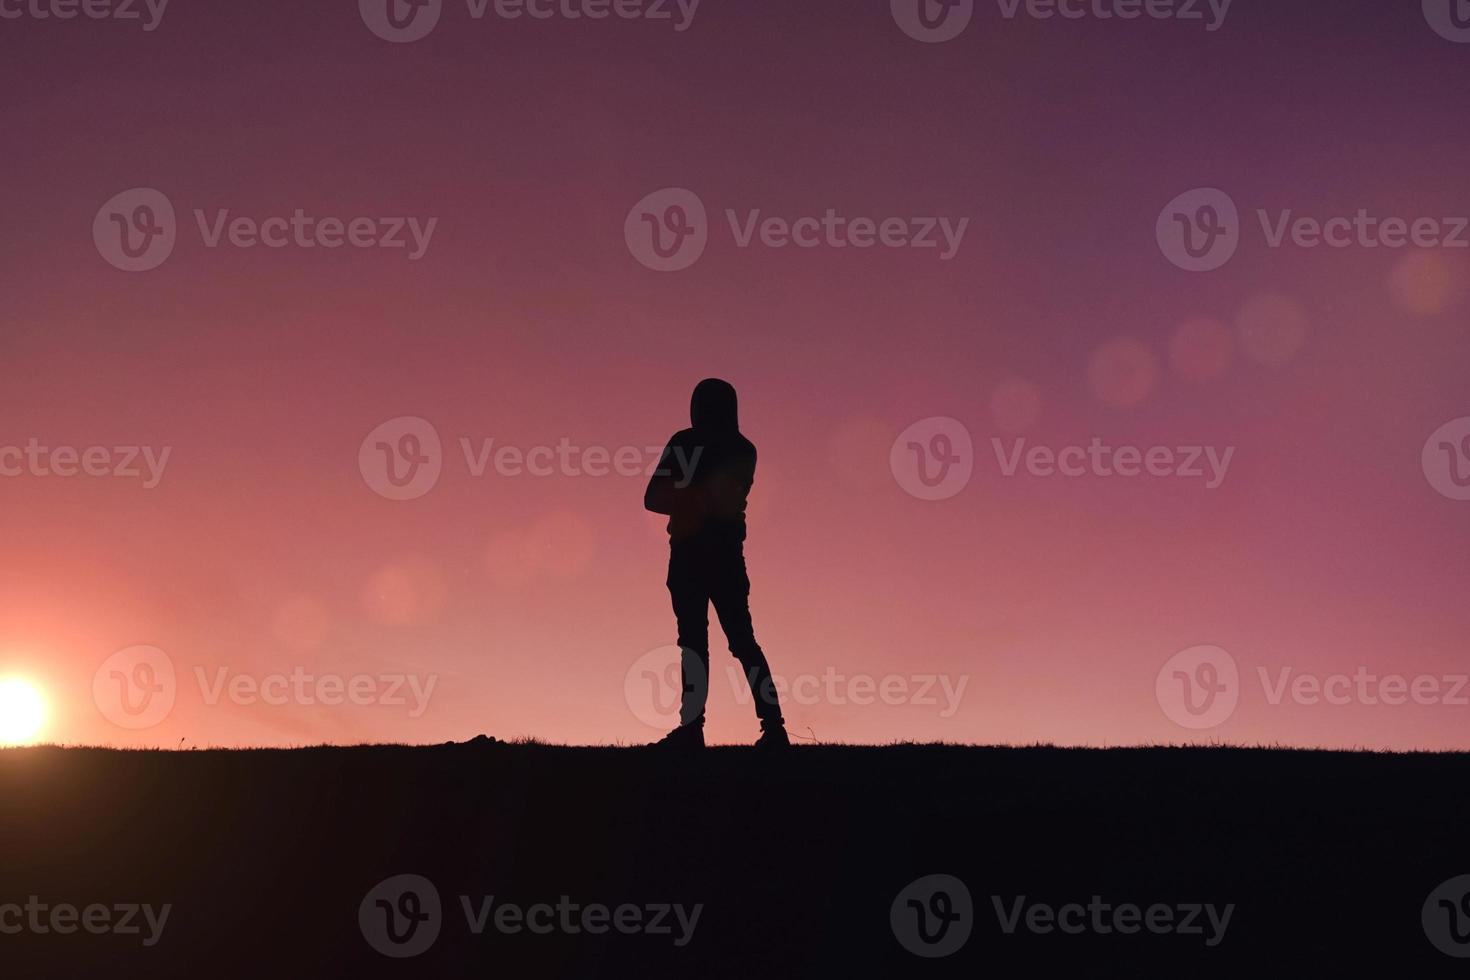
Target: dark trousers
(699, 576)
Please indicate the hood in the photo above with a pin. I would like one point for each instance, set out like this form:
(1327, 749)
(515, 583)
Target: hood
(713, 407)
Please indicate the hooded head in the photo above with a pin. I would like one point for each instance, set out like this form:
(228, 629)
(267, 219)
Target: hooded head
(713, 407)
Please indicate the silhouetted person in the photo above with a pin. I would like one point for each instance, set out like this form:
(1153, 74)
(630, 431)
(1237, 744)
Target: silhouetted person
(702, 482)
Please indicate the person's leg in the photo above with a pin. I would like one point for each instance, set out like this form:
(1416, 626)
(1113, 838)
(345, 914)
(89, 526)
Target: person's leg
(730, 592)
(691, 610)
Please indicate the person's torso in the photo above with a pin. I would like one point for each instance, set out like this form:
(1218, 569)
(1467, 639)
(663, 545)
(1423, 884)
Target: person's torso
(717, 471)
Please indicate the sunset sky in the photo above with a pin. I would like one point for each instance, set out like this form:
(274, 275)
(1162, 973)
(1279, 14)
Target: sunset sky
(533, 604)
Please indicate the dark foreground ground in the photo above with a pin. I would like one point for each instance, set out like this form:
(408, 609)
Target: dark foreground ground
(267, 857)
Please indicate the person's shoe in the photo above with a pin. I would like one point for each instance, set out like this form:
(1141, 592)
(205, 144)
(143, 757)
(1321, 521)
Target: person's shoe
(773, 740)
(685, 738)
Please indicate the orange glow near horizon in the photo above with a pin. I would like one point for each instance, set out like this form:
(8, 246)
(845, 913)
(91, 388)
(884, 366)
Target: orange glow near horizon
(22, 711)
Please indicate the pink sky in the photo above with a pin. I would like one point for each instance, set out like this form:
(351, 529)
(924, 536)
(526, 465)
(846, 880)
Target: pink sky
(1054, 600)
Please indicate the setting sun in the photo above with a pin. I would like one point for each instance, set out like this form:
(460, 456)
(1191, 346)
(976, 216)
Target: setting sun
(22, 711)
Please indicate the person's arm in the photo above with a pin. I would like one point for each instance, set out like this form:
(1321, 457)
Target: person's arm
(662, 489)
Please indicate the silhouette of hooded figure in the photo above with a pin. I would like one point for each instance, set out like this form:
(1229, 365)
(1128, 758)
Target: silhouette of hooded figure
(702, 482)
